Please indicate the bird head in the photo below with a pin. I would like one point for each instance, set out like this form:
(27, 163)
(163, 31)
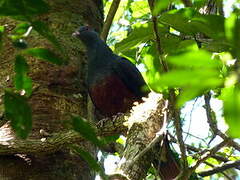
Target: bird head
(86, 34)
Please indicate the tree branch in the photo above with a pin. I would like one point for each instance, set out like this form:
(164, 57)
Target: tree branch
(219, 169)
(213, 124)
(108, 22)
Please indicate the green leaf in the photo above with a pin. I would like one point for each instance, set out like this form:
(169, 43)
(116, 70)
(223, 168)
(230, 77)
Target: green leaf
(44, 54)
(196, 59)
(25, 8)
(231, 105)
(232, 28)
(1, 36)
(21, 79)
(21, 28)
(86, 130)
(139, 8)
(189, 21)
(159, 6)
(19, 112)
(140, 34)
(93, 164)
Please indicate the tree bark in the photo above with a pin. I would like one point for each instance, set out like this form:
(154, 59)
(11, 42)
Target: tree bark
(58, 92)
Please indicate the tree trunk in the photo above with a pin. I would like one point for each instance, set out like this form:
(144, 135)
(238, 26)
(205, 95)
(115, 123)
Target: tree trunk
(58, 92)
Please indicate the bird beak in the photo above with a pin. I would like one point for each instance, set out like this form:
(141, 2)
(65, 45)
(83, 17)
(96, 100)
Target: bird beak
(75, 34)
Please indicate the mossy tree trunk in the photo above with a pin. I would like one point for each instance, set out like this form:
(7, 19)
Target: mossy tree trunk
(58, 92)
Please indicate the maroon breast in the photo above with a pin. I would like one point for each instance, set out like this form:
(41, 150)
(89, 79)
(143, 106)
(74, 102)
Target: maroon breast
(111, 96)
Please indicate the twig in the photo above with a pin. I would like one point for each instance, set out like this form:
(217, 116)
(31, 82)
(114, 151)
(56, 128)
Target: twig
(213, 124)
(157, 36)
(225, 166)
(223, 173)
(209, 153)
(109, 19)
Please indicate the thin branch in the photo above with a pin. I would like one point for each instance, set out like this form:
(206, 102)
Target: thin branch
(109, 19)
(213, 124)
(223, 173)
(219, 169)
(209, 153)
(197, 150)
(157, 36)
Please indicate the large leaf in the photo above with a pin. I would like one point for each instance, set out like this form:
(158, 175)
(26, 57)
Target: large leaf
(196, 59)
(44, 54)
(25, 8)
(232, 27)
(86, 130)
(21, 80)
(195, 73)
(191, 22)
(93, 164)
(231, 104)
(19, 112)
(141, 33)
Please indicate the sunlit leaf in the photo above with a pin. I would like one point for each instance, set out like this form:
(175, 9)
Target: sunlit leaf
(232, 27)
(231, 104)
(92, 162)
(139, 8)
(44, 54)
(195, 59)
(140, 34)
(86, 130)
(19, 112)
(21, 79)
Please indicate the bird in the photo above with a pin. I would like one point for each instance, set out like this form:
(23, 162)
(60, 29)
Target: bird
(113, 82)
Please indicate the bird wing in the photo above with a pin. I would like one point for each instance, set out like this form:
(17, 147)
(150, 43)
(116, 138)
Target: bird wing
(131, 76)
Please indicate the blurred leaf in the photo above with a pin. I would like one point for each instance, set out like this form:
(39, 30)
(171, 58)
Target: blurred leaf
(86, 130)
(217, 46)
(159, 6)
(90, 160)
(189, 21)
(25, 8)
(232, 28)
(141, 33)
(139, 8)
(196, 59)
(1, 36)
(19, 112)
(195, 73)
(231, 105)
(21, 28)
(21, 79)
(44, 54)
(186, 45)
